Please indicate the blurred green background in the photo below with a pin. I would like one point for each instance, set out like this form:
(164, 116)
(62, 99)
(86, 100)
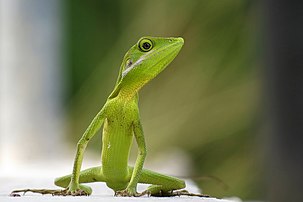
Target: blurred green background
(205, 103)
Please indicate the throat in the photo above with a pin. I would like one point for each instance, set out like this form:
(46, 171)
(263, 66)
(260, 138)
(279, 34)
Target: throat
(128, 94)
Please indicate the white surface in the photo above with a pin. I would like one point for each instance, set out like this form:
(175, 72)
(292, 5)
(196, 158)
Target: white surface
(100, 192)
(40, 175)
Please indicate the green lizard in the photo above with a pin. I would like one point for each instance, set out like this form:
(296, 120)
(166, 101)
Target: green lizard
(121, 120)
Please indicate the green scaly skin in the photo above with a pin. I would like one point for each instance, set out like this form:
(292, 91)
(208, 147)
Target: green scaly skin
(120, 117)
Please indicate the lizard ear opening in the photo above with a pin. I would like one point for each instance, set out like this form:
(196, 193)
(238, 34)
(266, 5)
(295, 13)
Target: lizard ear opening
(125, 65)
(128, 63)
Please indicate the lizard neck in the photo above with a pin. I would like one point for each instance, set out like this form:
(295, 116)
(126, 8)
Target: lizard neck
(126, 96)
(126, 92)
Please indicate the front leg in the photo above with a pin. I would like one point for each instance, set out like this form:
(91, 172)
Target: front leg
(131, 189)
(74, 187)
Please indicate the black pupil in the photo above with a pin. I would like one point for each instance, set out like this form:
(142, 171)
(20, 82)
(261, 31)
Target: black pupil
(146, 45)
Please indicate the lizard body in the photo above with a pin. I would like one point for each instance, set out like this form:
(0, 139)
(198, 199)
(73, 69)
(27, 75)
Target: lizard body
(121, 123)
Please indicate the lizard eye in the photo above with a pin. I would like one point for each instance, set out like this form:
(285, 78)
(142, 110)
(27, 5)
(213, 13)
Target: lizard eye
(145, 45)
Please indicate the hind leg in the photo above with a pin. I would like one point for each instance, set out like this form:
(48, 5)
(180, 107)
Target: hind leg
(86, 176)
(164, 185)
(161, 185)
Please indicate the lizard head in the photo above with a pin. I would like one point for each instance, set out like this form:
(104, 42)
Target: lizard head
(145, 60)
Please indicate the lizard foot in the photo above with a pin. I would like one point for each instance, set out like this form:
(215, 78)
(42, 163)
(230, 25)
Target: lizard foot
(178, 193)
(53, 192)
(126, 192)
(186, 193)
